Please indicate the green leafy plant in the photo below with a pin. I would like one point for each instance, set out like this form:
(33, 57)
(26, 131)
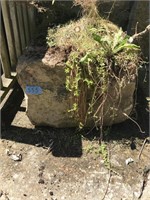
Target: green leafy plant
(99, 150)
(88, 73)
(117, 44)
(100, 55)
(104, 153)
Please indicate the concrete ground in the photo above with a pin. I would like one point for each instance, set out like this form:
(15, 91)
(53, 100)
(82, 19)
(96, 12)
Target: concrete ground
(61, 164)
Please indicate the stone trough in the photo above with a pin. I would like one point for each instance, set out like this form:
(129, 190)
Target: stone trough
(42, 78)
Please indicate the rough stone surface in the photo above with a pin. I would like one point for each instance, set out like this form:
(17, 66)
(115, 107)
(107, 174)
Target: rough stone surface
(51, 107)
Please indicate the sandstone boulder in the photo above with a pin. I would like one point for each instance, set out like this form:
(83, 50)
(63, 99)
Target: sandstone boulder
(42, 78)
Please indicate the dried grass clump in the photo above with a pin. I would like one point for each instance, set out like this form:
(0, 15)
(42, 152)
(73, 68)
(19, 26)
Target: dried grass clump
(77, 33)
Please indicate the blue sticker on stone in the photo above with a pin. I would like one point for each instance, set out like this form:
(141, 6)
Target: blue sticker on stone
(36, 90)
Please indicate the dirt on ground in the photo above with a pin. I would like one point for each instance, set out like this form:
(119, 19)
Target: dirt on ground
(62, 164)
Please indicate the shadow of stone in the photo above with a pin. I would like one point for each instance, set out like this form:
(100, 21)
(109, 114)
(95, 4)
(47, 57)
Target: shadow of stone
(136, 127)
(127, 130)
(60, 142)
(63, 142)
(67, 146)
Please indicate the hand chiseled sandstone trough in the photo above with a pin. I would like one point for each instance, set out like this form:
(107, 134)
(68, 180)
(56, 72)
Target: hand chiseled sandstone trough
(49, 102)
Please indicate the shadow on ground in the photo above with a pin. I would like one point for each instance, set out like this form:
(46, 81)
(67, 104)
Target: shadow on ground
(68, 142)
(61, 142)
(135, 127)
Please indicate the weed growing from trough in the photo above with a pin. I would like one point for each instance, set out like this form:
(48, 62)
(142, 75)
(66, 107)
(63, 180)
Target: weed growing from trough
(101, 56)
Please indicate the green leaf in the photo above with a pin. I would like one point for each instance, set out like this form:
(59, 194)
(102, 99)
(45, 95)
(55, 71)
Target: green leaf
(97, 37)
(67, 70)
(84, 59)
(126, 46)
(122, 42)
(117, 38)
(81, 125)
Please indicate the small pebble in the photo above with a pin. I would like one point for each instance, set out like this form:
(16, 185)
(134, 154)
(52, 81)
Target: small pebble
(51, 193)
(128, 161)
(41, 168)
(41, 181)
(1, 193)
(40, 174)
